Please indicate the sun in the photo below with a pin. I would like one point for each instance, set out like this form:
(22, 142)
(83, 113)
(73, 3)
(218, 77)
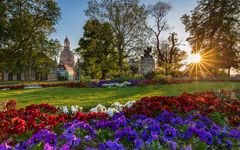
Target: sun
(200, 62)
(195, 58)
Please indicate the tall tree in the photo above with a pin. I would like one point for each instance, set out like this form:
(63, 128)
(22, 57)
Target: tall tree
(173, 55)
(214, 27)
(127, 19)
(158, 12)
(27, 26)
(97, 50)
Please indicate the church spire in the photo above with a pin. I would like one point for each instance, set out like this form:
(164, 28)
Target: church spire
(67, 56)
(66, 43)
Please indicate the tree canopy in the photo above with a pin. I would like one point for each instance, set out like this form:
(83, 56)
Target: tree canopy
(127, 19)
(96, 50)
(214, 27)
(25, 27)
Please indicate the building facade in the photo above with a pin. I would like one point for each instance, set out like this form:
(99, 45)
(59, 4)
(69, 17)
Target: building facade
(66, 69)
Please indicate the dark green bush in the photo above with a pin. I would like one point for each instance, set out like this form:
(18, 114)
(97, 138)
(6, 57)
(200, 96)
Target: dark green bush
(150, 75)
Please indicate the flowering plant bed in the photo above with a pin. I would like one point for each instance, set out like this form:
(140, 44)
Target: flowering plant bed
(206, 103)
(44, 85)
(101, 83)
(167, 130)
(189, 121)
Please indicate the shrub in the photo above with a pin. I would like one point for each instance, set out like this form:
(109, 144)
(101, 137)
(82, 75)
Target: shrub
(127, 78)
(159, 76)
(150, 75)
(85, 79)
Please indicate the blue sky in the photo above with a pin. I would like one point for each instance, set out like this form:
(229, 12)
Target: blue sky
(73, 19)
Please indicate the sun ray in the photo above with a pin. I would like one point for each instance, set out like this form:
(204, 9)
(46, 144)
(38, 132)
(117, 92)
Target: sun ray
(201, 63)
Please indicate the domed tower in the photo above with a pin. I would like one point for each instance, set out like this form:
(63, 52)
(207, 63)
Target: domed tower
(67, 56)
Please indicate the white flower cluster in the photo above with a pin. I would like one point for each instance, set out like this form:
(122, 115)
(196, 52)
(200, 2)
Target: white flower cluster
(5, 89)
(115, 108)
(33, 87)
(124, 84)
(70, 110)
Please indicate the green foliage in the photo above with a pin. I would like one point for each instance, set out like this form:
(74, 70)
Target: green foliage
(25, 28)
(159, 76)
(134, 70)
(150, 75)
(127, 20)
(85, 79)
(218, 118)
(97, 50)
(198, 145)
(126, 78)
(23, 137)
(217, 34)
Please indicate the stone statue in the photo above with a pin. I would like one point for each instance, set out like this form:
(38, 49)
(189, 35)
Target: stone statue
(147, 62)
(147, 51)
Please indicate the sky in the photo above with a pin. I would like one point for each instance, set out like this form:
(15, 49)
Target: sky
(73, 19)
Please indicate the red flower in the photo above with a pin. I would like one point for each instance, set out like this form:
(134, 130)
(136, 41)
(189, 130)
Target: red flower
(18, 121)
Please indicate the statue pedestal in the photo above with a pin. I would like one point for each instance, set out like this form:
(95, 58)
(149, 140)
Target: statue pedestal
(147, 65)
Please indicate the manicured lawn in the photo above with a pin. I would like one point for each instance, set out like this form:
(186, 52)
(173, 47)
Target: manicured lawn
(89, 97)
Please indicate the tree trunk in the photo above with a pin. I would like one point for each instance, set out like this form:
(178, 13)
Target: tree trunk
(120, 61)
(29, 76)
(104, 73)
(1, 76)
(229, 71)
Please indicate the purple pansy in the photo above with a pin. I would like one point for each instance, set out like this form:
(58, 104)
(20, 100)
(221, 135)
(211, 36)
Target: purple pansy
(48, 146)
(165, 117)
(170, 133)
(65, 147)
(5, 146)
(172, 145)
(51, 139)
(205, 137)
(235, 134)
(229, 144)
(138, 144)
(112, 145)
(176, 121)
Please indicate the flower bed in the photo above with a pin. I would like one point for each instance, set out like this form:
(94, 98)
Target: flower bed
(36, 117)
(44, 85)
(101, 83)
(188, 121)
(167, 130)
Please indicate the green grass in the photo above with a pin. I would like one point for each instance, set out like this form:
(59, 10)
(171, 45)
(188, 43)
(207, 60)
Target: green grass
(89, 97)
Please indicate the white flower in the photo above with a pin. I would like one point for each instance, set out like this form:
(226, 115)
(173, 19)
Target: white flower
(93, 109)
(74, 109)
(80, 109)
(101, 108)
(129, 104)
(32, 87)
(124, 84)
(98, 108)
(111, 111)
(118, 106)
(65, 109)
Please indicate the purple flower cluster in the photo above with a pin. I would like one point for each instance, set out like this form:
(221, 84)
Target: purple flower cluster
(167, 131)
(49, 139)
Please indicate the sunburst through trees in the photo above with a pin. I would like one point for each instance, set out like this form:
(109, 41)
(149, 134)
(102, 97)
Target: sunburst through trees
(201, 63)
